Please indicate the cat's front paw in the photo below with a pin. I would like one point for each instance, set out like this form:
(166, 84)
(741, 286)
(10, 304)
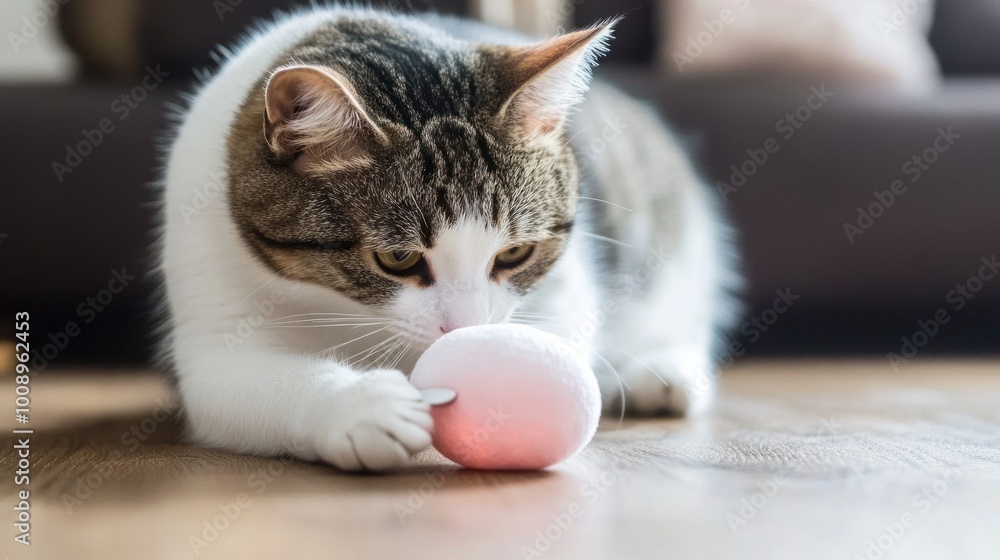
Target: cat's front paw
(375, 424)
(663, 383)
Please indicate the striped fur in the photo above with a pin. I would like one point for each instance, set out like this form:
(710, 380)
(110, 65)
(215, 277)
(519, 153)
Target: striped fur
(348, 136)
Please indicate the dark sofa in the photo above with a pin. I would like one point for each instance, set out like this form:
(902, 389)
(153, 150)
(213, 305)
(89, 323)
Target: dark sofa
(78, 203)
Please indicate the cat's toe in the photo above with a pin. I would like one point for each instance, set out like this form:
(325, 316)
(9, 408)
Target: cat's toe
(407, 425)
(662, 384)
(378, 426)
(376, 449)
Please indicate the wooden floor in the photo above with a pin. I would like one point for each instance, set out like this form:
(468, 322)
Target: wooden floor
(799, 460)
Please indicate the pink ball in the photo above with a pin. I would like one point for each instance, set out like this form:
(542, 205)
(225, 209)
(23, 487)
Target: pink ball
(525, 399)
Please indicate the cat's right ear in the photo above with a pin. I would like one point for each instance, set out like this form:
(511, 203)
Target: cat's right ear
(313, 118)
(541, 82)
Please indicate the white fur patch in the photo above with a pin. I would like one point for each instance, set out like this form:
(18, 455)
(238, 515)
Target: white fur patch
(463, 294)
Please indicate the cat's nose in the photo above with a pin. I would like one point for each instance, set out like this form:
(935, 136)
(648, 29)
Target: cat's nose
(445, 329)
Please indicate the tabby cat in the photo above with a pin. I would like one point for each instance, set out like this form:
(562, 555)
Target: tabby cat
(352, 184)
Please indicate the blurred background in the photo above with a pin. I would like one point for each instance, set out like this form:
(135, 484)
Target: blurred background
(853, 143)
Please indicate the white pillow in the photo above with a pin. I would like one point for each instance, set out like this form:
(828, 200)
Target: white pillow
(880, 42)
(539, 18)
(33, 51)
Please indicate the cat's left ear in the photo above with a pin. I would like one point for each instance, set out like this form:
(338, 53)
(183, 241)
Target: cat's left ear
(313, 116)
(545, 80)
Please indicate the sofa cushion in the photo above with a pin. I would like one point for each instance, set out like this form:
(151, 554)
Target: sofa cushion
(966, 36)
(119, 38)
(793, 209)
(104, 34)
(880, 42)
(182, 35)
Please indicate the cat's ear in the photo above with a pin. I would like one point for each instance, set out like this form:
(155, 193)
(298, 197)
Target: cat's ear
(547, 79)
(313, 116)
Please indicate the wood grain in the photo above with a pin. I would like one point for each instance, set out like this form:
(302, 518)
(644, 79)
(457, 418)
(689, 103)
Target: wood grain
(798, 460)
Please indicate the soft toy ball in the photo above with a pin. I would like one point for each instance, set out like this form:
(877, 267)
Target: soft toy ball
(525, 400)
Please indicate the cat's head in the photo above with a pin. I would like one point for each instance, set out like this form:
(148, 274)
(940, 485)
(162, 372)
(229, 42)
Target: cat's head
(426, 178)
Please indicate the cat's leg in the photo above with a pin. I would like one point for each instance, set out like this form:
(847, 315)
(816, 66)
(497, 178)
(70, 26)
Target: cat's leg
(669, 295)
(659, 337)
(667, 269)
(269, 402)
(648, 335)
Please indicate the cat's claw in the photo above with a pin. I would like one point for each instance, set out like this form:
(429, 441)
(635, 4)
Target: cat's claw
(375, 425)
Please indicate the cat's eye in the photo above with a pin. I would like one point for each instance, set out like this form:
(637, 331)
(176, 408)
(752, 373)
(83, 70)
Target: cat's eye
(513, 256)
(398, 262)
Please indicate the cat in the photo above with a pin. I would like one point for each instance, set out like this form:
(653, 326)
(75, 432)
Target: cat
(353, 184)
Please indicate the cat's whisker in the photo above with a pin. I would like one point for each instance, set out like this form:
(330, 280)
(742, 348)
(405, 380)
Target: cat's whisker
(643, 364)
(331, 321)
(327, 318)
(353, 325)
(368, 362)
(370, 351)
(532, 316)
(622, 384)
(388, 352)
(538, 320)
(377, 360)
(259, 288)
(367, 353)
(605, 202)
(324, 314)
(600, 238)
(534, 322)
(529, 314)
(353, 340)
(382, 361)
(400, 356)
(579, 132)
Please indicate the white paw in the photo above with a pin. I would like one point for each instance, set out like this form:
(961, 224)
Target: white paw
(664, 383)
(376, 424)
